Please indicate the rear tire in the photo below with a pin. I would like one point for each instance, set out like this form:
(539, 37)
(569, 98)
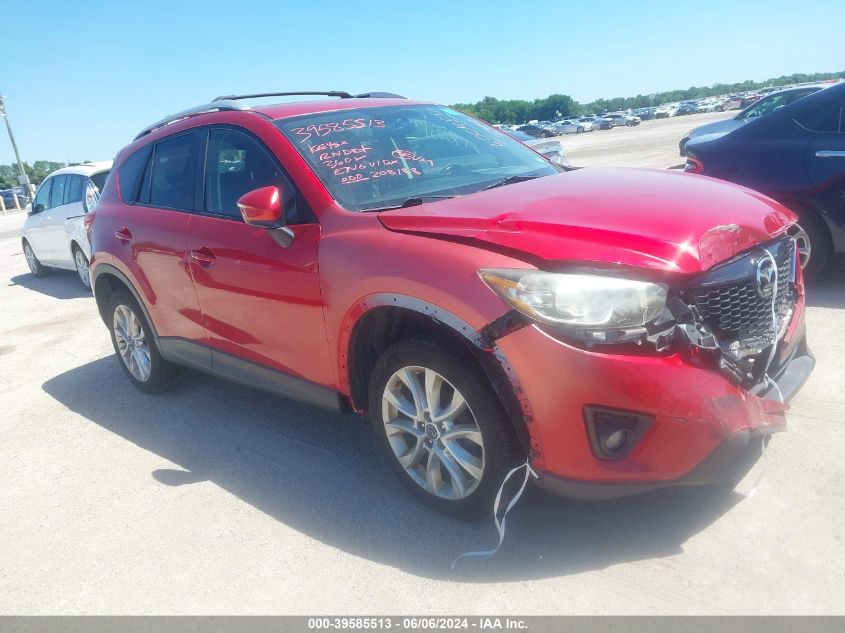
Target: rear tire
(135, 346)
(35, 267)
(812, 228)
(81, 266)
(471, 436)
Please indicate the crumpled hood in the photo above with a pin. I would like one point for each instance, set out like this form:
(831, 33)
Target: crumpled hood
(661, 220)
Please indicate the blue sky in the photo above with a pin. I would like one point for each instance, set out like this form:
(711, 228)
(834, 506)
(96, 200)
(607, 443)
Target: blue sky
(82, 77)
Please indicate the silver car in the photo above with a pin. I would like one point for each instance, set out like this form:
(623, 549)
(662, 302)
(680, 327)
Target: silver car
(553, 150)
(570, 126)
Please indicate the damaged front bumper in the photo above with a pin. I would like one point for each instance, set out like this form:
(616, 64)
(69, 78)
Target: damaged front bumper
(710, 387)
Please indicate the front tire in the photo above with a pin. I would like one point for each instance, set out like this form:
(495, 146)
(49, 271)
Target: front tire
(35, 267)
(579, 130)
(135, 346)
(441, 427)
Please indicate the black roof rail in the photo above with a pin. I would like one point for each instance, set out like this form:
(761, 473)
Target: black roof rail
(215, 106)
(330, 93)
(229, 102)
(379, 95)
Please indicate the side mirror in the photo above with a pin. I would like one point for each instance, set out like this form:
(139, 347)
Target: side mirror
(264, 207)
(37, 208)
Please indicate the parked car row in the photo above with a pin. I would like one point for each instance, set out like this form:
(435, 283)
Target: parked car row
(737, 101)
(575, 125)
(483, 306)
(14, 198)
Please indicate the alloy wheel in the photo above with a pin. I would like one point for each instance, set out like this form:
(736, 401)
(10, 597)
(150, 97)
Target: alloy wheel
(132, 343)
(31, 260)
(433, 433)
(82, 267)
(802, 244)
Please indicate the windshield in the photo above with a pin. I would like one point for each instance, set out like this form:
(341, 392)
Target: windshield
(375, 158)
(519, 136)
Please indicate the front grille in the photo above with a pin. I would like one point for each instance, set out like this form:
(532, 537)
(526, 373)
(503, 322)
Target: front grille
(728, 300)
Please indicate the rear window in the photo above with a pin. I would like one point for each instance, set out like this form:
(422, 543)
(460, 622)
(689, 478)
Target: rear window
(130, 175)
(172, 181)
(99, 180)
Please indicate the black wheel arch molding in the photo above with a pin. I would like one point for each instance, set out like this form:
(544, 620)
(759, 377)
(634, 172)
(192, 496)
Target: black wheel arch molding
(99, 275)
(383, 311)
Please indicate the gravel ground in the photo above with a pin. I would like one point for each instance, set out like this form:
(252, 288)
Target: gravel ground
(219, 500)
(650, 144)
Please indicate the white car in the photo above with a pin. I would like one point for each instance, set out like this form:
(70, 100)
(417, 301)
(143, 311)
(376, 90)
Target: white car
(666, 110)
(54, 234)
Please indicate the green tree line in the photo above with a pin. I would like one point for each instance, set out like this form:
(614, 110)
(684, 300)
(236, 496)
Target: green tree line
(37, 172)
(518, 110)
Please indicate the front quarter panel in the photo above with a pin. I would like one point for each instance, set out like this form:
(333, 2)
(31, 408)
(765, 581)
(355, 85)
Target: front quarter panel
(359, 259)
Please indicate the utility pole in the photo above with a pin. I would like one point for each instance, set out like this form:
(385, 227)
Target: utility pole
(23, 179)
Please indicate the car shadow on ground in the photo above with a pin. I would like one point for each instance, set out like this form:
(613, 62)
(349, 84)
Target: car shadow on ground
(828, 291)
(318, 473)
(59, 284)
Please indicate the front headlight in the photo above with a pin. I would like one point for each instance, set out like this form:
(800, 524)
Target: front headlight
(578, 300)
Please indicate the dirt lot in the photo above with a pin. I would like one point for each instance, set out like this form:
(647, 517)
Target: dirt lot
(651, 144)
(216, 499)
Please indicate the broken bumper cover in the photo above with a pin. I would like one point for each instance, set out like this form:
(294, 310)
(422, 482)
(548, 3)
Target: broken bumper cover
(726, 465)
(705, 429)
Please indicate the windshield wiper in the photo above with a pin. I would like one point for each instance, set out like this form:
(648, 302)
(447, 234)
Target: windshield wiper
(411, 202)
(509, 181)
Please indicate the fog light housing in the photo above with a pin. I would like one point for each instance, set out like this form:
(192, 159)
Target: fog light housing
(614, 433)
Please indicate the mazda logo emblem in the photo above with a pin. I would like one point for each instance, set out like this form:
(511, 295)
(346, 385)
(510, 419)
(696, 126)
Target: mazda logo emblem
(765, 277)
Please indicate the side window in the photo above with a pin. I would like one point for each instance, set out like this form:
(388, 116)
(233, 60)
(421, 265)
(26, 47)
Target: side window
(92, 195)
(173, 167)
(236, 164)
(99, 179)
(73, 191)
(57, 195)
(827, 118)
(43, 195)
(130, 176)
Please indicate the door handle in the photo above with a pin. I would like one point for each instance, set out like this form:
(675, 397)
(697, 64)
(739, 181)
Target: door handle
(829, 153)
(123, 234)
(204, 256)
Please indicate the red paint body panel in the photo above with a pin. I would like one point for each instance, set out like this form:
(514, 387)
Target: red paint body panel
(156, 262)
(294, 309)
(259, 301)
(646, 218)
(695, 409)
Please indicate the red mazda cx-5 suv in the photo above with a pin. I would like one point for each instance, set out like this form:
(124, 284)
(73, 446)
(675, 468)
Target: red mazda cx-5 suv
(623, 330)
